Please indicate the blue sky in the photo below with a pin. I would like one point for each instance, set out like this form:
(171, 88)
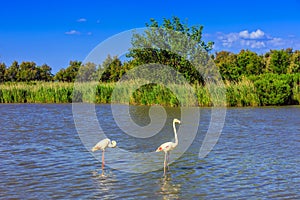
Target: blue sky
(55, 32)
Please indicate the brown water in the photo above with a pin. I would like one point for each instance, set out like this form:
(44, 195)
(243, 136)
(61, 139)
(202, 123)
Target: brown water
(42, 157)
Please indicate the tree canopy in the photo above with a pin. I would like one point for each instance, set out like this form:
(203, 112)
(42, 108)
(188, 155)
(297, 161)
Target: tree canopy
(171, 43)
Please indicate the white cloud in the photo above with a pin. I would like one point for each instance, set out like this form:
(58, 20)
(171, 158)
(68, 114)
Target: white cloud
(257, 40)
(228, 40)
(277, 41)
(72, 32)
(254, 44)
(82, 20)
(258, 34)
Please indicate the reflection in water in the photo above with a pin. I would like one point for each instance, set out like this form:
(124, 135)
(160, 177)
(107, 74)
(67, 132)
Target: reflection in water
(105, 184)
(169, 189)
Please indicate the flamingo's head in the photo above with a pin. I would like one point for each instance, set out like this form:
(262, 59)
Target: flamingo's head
(177, 121)
(159, 149)
(113, 144)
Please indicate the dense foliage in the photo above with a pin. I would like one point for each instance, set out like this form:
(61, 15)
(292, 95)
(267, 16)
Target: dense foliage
(26, 71)
(235, 66)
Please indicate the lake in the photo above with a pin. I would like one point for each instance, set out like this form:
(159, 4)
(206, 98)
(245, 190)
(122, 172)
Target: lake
(43, 157)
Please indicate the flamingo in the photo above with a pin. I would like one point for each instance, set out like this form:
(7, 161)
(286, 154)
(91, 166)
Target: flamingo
(102, 145)
(169, 146)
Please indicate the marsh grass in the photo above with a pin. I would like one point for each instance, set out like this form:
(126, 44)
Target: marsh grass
(296, 89)
(242, 93)
(36, 92)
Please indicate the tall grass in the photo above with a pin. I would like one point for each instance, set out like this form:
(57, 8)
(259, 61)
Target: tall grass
(242, 93)
(296, 89)
(36, 92)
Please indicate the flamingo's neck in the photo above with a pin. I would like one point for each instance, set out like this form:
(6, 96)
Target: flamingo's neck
(175, 133)
(110, 145)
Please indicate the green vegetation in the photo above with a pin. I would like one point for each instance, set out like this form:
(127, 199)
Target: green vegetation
(36, 92)
(250, 79)
(260, 91)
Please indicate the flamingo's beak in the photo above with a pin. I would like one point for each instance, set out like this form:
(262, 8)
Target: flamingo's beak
(158, 149)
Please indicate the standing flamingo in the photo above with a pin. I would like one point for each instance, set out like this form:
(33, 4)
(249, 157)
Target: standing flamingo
(102, 145)
(169, 146)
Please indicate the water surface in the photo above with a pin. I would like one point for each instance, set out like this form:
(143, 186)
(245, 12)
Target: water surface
(42, 156)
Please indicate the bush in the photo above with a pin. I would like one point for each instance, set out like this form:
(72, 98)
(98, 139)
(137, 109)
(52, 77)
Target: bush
(274, 89)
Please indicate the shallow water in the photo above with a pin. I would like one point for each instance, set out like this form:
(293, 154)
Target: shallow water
(42, 156)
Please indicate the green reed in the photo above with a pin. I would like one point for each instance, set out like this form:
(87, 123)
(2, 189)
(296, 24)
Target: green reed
(36, 92)
(296, 88)
(242, 93)
(137, 92)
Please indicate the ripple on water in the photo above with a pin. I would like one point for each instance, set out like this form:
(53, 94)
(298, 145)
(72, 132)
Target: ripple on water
(42, 157)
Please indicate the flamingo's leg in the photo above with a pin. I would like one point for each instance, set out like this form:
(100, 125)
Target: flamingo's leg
(103, 162)
(168, 159)
(165, 164)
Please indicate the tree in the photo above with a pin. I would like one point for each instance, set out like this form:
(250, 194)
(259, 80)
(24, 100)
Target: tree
(12, 72)
(27, 72)
(174, 44)
(294, 66)
(60, 75)
(2, 72)
(228, 65)
(250, 63)
(44, 73)
(279, 61)
(72, 70)
(69, 74)
(86, 72)
(112, 69)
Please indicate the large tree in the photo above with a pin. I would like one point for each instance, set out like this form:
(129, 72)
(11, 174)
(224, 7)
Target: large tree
(278, 61)
(250, 63)
(227, 63)
(44, 73)
(69, 74)
(112, 67)
(172, 43)
(87, 72)
(11, 74)
(27, 72)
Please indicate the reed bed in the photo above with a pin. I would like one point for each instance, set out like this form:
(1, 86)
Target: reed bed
(296, 89)
(242, 93)
(36, 92)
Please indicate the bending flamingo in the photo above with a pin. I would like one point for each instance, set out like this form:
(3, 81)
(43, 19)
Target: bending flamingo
(102, 145)
(169, 146)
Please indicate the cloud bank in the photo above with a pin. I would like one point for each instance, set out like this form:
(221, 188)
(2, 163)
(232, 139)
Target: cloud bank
(256, 40)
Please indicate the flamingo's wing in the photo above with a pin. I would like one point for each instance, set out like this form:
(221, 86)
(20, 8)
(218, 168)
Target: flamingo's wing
(165, 147)
(101, 145)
